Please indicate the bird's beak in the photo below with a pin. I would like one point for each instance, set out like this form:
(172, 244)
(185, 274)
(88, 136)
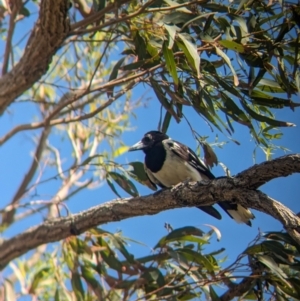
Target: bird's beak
(137, 146)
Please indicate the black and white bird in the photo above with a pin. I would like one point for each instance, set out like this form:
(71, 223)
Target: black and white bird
(168, 162)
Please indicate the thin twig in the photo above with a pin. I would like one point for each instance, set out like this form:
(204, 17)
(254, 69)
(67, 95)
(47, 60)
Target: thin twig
(10, 32)
(8, 217)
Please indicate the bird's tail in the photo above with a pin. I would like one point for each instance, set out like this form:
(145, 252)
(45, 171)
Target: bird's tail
(239, 213)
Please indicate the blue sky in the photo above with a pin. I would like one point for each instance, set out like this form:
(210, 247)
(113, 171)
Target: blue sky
(16, 156)
(148, 229)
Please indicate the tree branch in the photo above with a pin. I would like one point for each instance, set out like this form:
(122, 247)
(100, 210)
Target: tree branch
(47, 36)
(258, 175)
(12, 23)
(182, 195)
(131, 80)
(7, 217)
(238, 290)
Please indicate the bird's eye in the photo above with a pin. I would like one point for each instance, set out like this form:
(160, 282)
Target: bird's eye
(146, 140)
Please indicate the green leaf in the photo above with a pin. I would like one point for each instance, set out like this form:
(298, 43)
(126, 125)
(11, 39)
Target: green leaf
(266, 119)
(228, 88)
(120, 150)
(213, 294)
(116, 68)
(139, 170)
(232, 45)
(193, 53)
(140, 46)
(268, 85)
(258, 78)
(193, 256)
(274, 247)
(283, 79)
(174, 4)
(228, 62)
(163, 100)
(140, 175)
(273, 266)
(166, 122)
(210, 158)
(37, 278)
(154, 275)
(186, 233)
(170, 62)
(177, 17)
(234, 111)
(111, 185)
(111, 260)
(291, 292)
(135, 65)
(179, 258)
(284, 237)
(242, 25)
(56, 295)
(24, 11)
(119, 245)
(89, 277)
(124, 183)
(114, 75)
(172, 33)
(215, 7)
(77, 286)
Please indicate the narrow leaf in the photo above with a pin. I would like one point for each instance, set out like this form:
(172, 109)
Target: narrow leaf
(192, 49)
(77, 286)
(273, 266)
(228, 62)
(266, 119)
(170, 62)
(121, 150)
(178, 234)
(114, 75)
(124, 183)
(166, 122)
(210, 158)
(232, 45)
(172, 33)
(111, 185)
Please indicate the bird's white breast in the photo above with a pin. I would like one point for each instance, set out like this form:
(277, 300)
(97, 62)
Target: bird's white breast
(176, 170)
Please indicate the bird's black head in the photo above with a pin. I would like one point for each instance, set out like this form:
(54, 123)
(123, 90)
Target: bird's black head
(149, 140)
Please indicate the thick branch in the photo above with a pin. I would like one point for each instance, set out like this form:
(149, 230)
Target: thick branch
(260, 174)
(182, 195)
(47, 36)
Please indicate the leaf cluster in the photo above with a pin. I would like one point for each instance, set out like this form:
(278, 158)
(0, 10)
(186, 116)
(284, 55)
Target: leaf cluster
(100, 266)
(231, 64)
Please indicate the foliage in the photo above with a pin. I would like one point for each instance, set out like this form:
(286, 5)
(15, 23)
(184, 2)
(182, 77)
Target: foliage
(99, 266)
(233, 62)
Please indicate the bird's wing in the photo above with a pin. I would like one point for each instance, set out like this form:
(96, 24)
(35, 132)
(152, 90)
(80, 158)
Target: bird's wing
(189, 156)
(211, 211)
(186, 154)
(239, 213)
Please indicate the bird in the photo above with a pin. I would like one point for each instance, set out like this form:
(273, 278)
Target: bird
(169, 162)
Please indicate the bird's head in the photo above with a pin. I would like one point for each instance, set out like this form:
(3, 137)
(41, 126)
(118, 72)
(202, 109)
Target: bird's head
(149, 140)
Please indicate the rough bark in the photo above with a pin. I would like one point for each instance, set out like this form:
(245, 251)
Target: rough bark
(185, 194)
(47, 36)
